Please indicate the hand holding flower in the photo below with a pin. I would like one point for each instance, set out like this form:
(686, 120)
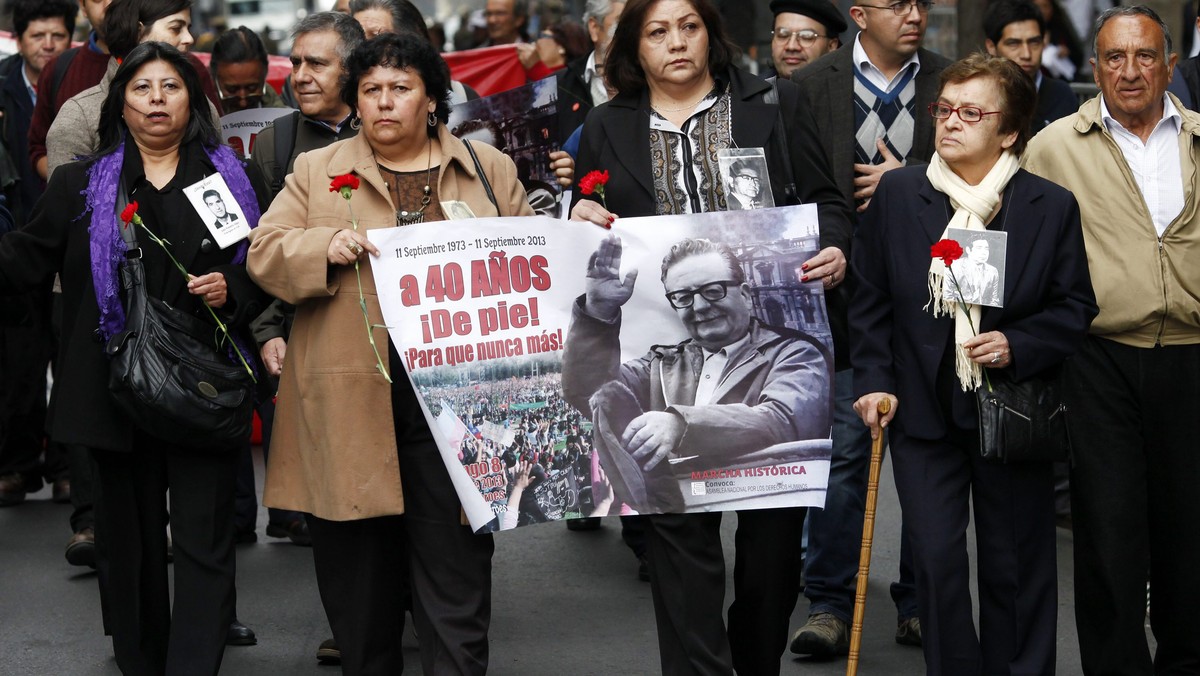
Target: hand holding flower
(212, 287)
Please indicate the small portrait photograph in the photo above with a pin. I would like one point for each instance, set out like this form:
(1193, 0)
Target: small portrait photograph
(744, 176)
(978, 276)
(212, 199)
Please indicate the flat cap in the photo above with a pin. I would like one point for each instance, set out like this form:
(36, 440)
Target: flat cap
(823, 11)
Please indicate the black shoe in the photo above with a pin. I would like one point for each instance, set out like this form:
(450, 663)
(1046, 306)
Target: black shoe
(328, 652)
(240, 634)
(584, 523)
(81, 548)
(245, 537)
(13, 488)
(296, 531)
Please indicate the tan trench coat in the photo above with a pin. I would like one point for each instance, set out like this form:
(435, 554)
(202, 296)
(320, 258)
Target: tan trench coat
(333, 449)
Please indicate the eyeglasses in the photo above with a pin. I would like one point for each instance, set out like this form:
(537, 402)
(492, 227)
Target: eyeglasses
(903, 7)
(711, 292)
(749, 178)
(806, 36)
(968, 114)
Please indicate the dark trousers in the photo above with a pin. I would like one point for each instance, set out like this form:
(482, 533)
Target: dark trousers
(358, 566)
(1136, 469)
(687, 578)
(151, 635)
(835, 532)
(938, 483)
(25, 347)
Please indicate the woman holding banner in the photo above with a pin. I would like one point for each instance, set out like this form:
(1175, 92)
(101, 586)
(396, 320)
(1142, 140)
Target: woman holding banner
(679, 103)
(336, 454)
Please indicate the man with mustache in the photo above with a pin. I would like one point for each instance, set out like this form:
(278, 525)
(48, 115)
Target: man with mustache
(869, 100)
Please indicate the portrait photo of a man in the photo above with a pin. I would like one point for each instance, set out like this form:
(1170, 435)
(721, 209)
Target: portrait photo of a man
(745, 186)
(979, 282)
(733, 387)
(216, 204)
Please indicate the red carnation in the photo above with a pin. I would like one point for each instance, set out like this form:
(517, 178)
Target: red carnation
(594, 182)
(129, 214)
(344, 184)
(948, 250)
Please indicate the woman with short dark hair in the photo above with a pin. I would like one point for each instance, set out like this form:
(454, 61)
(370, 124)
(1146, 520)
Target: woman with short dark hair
(157, 139)
(927, 353)
(348, 448)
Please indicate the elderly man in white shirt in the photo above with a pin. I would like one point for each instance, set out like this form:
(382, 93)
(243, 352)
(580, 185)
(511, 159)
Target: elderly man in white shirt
(1131, 157)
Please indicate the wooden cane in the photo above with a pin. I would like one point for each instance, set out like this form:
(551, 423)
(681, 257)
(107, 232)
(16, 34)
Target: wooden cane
(864, 556)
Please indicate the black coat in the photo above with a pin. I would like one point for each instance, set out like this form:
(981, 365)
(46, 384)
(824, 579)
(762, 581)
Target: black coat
(56, 241)
(1054, 100)
(17, 108)
(574, 98)
(897, 347)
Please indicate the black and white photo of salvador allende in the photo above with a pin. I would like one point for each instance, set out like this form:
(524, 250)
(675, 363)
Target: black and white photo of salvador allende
(735, 387)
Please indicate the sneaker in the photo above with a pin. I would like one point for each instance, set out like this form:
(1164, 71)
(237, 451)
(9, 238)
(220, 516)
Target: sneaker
(824, 635)
(908, 631)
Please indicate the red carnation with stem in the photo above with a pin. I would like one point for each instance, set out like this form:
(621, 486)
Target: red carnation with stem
(949, 251)
(593, 183)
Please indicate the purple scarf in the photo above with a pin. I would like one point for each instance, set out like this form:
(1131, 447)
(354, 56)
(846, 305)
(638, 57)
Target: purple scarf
(104, 234)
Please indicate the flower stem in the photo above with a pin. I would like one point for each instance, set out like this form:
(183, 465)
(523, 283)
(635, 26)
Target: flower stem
(362, 304)
(187, 277)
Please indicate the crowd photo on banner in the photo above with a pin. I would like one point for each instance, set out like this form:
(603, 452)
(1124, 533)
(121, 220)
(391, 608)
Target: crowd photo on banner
(698, 270)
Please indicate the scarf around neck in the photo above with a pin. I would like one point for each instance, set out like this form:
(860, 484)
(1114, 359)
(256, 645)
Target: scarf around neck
(972, 205)
(108, 248)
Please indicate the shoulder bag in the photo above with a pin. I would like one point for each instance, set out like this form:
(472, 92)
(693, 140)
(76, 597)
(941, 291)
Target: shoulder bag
(1023, 421)
(169, 372)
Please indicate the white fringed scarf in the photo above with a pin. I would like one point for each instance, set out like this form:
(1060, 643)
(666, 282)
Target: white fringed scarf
(972, 205)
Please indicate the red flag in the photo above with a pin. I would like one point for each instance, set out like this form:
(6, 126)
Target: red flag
(488, 70)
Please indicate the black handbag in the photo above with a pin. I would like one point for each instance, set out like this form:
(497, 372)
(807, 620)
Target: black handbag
(1023, 421)
(170, 374)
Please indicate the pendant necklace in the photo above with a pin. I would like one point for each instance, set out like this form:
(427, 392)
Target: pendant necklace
(418, 216)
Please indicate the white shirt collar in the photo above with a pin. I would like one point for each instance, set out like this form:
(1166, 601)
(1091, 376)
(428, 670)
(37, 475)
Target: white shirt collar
(589, 70)
(1170, 113)
(863, 62)
(29, 86)
(729, 349)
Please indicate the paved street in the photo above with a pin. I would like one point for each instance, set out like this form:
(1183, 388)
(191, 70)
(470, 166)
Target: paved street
(563, 603)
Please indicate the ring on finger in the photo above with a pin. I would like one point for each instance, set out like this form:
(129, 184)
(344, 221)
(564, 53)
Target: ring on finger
(995, 357)
(354, 247)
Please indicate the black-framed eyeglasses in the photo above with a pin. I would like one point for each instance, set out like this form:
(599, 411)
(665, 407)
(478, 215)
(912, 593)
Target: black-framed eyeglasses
(968, 114)
(711, 292)
(750, 177)
(903, 7)
(806, 36)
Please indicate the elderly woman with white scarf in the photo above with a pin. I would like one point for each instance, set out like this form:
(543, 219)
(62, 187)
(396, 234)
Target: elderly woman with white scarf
(912, 344)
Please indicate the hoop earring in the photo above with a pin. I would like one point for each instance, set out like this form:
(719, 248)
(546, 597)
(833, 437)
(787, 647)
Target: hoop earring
(355, 123)
(432, 119)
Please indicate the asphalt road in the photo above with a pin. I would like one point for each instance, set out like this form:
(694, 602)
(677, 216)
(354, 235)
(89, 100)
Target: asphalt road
(563, 603)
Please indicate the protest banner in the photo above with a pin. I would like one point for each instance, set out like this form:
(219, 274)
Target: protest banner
(532, 401)
(239, 129)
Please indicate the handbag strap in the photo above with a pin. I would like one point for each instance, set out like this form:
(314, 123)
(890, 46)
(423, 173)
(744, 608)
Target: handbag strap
(487, 186)
(129, 234)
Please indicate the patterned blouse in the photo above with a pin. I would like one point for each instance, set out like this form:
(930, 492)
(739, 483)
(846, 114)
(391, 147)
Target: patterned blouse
(687, 178)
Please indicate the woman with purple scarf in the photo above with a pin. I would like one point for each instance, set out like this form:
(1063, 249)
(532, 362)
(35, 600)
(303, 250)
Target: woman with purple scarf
(157, 139)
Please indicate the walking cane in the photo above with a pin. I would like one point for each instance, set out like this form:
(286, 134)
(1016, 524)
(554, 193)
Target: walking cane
(864, 557)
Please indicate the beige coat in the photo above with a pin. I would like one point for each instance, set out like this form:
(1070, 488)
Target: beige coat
(333, 449)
